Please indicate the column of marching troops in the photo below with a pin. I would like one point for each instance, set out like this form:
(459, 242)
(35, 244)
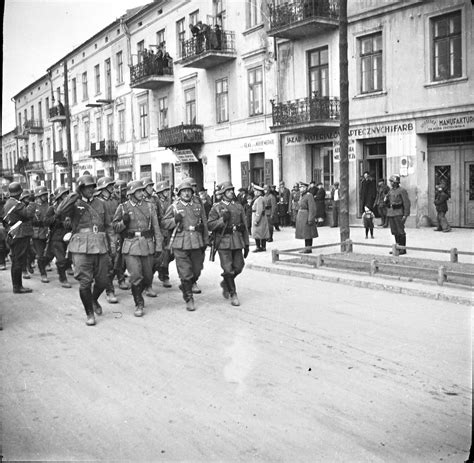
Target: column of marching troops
(108, 228)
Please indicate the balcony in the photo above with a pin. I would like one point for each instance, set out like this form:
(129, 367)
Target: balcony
(303, 18)
(20, 166)
(208, 49)
(33, 126)
(152, 73)
(105, 150)
(57, 113)
(7, 173)
(34, 167)
(60, 158)
(21, 133)
(181, 136)
(305, 114)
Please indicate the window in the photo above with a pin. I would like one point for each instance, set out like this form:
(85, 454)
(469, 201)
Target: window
(318, 72)
(180, 36)
(85, 94)
(254, 14)
(60, 138)
(447, 50)
(46, 106)
(255, 91)
(160, 38)
(41, 150)
(140, 50)
(371, 63)
(222, 100)
(121, 122)
(163, 109)
(74, 90)
(110, 127)
(194, 17)
(86, 134)
(108, 79)
(32, 112)
(190, 100)
(40, 111)
(33, 151)
(19, 120)
(219, 12)
(97, 78)
(76, 137)
(119, 61)
(98, 129)
(143, 120)
(48, 148)
(58, 94)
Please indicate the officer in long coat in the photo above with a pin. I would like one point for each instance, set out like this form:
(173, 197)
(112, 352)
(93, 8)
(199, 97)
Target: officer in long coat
(137, 221)
(271, 210)
(306, 219)
(40, 230)
(260, 228)
(18, 218)
(58, 227)
(189, 239)
(398, 210)
(227, 221)
(89, 245)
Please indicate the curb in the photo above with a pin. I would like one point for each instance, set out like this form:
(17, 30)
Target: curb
(429, 294)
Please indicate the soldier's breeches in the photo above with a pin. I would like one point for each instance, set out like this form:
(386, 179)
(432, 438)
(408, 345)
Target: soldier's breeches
(89, 268)
(57, 249)
(19, 250)
(39, 246)
(397, 227)
(140, 269)
(189, 263)
(232, 261)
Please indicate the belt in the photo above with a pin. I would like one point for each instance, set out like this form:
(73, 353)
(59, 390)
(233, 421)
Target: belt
(233, 228)
(93, 229)
(137, 234)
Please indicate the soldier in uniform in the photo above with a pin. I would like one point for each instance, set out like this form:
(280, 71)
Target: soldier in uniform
(89, 245)
(260, 230)
(27, 197)
(189, 239)
(18, 217)
(40, 230)
(270, 209)
(227, 221)
(105, 190)
(120, 195)
(306, 228)
(58, 227)
(398, 210)
(163, 203)
(137, 221)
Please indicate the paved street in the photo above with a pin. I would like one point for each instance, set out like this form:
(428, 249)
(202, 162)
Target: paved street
(303, 370)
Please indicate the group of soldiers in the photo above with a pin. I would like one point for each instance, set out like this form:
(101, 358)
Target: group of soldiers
(110, 228)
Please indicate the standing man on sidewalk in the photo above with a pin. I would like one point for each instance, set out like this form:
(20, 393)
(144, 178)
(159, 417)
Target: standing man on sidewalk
(18, 217)
(398, 210)
(40, 230)
(137, 221)
(190, 237)
(227, 221)
(89, 245)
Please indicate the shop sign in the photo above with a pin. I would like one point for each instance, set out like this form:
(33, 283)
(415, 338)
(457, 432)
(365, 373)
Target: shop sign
(445, 123)
(336, 156)
(185, 156)
(260, 142)
(305, 138)
(84, 166)
(381, 130)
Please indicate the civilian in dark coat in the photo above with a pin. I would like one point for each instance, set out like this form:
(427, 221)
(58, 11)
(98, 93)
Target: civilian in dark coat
(441, 204)
(368, 192)
(320, 200)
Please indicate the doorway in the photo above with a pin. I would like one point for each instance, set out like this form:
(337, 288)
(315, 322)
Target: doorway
(257, 162)
(223, 168)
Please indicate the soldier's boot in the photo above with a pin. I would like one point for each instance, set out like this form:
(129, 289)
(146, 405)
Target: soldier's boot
(138, 299)
(110, 293)
(86, 298)
(187, 289)
(63, 278)
(258, 248)
(397, 240)
(195, 288)
(234, 300)
(225, 289)
(149, 292)
(264, 245)
(124, 285)
(402, 242)
(95, 300)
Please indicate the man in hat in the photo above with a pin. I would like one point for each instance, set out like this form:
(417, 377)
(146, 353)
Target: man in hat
(190, 237)
(398, 210)
(18, 219)
(227, 221)
(306, 219)
(206, 200)
(89, 245)
(161, 264)
(137, 221)
(58, 227)
(40, 230)
(260, 230)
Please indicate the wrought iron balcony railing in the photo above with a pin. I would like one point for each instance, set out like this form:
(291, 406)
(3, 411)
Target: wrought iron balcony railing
(60, 158)
(57, 113)
(304, 111)
(21, 132)
(104, 150)
(149, 69)
(34, 126)
(181, 135)
(34, 166)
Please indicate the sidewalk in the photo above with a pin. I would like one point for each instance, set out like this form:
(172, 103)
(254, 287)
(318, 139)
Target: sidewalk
(460, 238)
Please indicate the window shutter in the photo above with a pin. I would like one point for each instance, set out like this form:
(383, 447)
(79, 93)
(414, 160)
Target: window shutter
(244, 173)
(268, 172)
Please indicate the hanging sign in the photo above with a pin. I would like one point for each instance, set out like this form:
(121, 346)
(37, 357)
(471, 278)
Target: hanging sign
(185, 156)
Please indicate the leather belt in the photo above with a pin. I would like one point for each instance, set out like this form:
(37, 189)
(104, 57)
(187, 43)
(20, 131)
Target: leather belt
(93, 229)
(138, 234)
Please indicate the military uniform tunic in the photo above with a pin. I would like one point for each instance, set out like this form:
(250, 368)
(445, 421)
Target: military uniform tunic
(398, 206)
(40, 235)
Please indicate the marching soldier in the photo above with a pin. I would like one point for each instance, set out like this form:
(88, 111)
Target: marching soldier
(105, 190)
(18, 217)
(163, 203)
(89, 245)
(189, 239)
(28, 197)
(40, 230)
(58, 227)
(120, 195)
(137, 221)
(398, 211)
(227, 221)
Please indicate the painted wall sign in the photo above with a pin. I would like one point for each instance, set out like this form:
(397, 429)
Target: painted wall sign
(336, 155)
(305, 138)
(441, 124)
(185, 156)
(260, 142)
(380, 130)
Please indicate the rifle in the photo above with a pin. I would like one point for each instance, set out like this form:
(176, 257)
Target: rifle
(215, 241)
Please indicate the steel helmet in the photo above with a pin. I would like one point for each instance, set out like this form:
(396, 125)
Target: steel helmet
(394, 178)
(226, 186)
(162, 186)
(40, 191)
(134, 185)
(85, 180)
(147, 181)
(15, 188)
(104, 182)
(185, 185)
(25, 194)
(59, 191)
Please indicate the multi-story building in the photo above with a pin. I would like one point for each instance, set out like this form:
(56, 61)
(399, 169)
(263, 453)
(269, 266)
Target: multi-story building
(248, 91)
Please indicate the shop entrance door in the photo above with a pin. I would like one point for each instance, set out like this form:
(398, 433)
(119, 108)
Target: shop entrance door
(469, 194)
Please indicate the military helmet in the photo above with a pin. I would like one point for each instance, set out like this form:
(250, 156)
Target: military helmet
(85, 180)
(40, 191)
(394, 178)
(60, 191)
(15, 188)
(104, 182)
(147, 181)
(25, 194)
(226, 186)
(135, 185)
(162, 186)
(185, 185)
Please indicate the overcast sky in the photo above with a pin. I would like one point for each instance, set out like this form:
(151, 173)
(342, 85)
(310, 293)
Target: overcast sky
(38, 33)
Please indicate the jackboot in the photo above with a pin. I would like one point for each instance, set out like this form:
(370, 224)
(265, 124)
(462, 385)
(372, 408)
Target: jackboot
(225, 289)
(138, 299)
(230, 280)
(264, 245)
(187, 289)
(63, 278)
(96, 292)
(86, 298)
(402, 242)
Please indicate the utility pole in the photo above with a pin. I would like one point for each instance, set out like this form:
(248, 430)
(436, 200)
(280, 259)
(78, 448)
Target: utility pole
(344, 124)
(68, 125)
